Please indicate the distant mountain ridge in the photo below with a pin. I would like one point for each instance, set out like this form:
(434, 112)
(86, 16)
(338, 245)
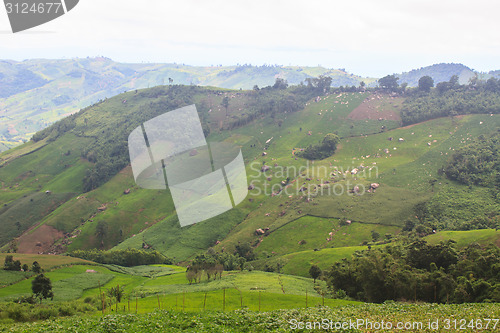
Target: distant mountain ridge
(439, 73)
(35, 93)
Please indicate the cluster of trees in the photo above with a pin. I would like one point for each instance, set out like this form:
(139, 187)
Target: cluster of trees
(440, 213)
(420, 271)
(212, 264)
(450, 98)
(127, 258)
(279, 99)
(109, 152)
(41, 286)
(268, 101)
(15, 265)
(323, 150)
(477, 163)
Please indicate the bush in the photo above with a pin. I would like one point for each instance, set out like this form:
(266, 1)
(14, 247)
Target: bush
(127, 258)
(325, 149)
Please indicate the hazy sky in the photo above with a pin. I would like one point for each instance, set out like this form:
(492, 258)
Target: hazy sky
(366, 37)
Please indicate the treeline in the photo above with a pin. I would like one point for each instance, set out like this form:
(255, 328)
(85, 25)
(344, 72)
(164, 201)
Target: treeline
(211, 264)
(451, 99)
(280, 98)
(477, 163)
(15, 265)
(419, 271)
(127, 258)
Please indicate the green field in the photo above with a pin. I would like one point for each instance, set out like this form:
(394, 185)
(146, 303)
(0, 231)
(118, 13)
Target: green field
(410, 317)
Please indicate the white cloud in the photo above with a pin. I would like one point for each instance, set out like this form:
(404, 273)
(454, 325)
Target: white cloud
(366, 37)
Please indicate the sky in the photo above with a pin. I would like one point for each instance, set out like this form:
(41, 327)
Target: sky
(370, 38)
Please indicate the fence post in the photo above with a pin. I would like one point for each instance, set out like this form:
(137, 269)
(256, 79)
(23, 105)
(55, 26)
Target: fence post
(118, 292)
(259, 300)
(158, 297)
(204, 301)
(135, 304)
(129, 305)
(183, 299)
(102, 299)
(224, 300)
(306, 298)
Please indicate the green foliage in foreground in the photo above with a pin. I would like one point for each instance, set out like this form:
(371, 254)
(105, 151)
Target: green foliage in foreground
(277, 321)
(14, 312)
(127, 258)
(421, 272)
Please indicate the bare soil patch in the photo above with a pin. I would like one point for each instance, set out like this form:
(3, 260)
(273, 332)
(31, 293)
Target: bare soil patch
(378, 107)
(40, 240)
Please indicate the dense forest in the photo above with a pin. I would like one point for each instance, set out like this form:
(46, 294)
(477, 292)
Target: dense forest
(477, 163)
(451, 99)
(420, 271)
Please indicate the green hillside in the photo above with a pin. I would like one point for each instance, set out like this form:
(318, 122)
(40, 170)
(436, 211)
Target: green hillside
(75, 178)
(36, 93)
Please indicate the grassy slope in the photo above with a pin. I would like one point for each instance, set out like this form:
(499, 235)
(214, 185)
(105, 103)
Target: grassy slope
(169, 285)
(403, 173)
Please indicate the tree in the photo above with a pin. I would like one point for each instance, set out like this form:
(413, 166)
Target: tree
(330, 142)
(116, 293)
(425, 83)
(11, 265)
(492, 84)
(443, 87)
(320, 84)
(315, 272)
(432, 182)
(36, 268)
(375, 235)
(389, 82)
(225, 103)
(101, 231)
(42, 287)
(454, 82)
(404, 85)
(245, 250)
(25, 267)
(8, 262)
(409, 225)
(280, 84)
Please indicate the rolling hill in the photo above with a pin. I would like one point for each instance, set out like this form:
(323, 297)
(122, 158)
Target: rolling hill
(36, 93)
(75, 181)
